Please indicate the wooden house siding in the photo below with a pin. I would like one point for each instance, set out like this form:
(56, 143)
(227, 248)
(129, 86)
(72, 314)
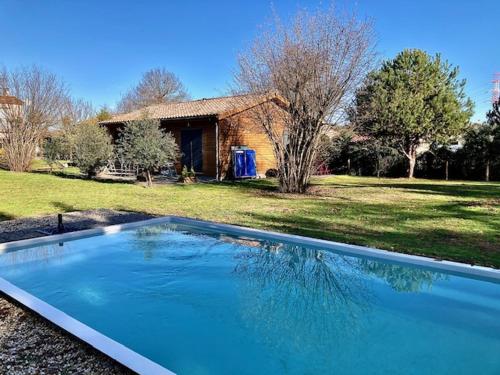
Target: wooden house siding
(243, 130)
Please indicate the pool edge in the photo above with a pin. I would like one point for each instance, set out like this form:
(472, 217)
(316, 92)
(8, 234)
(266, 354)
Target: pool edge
(116, 351)
(142, 365)
(113, 349)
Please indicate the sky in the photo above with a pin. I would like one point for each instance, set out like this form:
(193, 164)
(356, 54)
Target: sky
(102, 48)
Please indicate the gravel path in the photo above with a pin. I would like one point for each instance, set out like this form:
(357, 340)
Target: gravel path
(28, 343)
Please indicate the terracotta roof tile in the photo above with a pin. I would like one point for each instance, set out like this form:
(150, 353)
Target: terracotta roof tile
(196, 108)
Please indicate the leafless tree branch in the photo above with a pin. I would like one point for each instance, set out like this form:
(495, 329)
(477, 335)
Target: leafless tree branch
(315, 65)
(24, 126)
(156, 86)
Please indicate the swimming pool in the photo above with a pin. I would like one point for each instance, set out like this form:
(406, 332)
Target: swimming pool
(200, 298)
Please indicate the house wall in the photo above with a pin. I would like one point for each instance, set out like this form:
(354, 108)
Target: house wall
(244, 130)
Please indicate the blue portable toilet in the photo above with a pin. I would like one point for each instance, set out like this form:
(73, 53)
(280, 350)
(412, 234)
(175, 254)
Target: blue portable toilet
(244, 162)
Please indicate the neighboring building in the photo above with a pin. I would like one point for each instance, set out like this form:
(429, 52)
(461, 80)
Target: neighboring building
(207, 129)
(8, 104)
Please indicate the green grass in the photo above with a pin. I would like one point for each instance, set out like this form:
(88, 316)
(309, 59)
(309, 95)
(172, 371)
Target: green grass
(449, 220)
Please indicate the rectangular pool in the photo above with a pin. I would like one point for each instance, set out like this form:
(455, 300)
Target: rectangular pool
(198, 298)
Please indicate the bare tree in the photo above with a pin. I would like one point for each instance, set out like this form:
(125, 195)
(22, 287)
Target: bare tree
(315, 65)
(25, 124)
(75, 113)
(156, 86)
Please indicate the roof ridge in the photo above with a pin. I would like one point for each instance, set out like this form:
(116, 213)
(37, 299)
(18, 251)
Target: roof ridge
(212, 98)
(192, 108)
(191, 101)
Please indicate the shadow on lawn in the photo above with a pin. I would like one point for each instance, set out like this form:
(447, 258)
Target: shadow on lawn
(5, 216)
(64, 207)
(468, 190)
(72, 176)
(471, 189)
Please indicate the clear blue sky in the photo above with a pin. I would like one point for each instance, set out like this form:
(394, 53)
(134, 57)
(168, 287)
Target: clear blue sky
(101, 48)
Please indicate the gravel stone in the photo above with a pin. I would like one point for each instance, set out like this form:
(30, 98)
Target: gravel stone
(29, 344)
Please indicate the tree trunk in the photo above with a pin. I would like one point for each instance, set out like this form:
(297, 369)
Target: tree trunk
(349, 166)
(446, 170)
(149, 179)
(487, 173)
(412, 157)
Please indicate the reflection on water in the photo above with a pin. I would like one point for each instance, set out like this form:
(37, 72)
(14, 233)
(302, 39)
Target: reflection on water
(401, 278)
(303, 298)
(299, 298)
(52, 252)
(146, 239)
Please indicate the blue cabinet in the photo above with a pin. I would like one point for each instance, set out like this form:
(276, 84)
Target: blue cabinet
(244, 163)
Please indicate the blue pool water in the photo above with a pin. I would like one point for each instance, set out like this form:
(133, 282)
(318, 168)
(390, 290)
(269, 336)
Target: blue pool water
(210, 303)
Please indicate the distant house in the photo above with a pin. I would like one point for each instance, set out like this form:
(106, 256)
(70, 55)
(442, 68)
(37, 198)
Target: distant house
(8, 104)
(207, 129)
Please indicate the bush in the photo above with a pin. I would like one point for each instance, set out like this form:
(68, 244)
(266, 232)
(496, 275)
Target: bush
(272, 172)
(146, 146)
(3, 160)
(93, 148)
(187, 173)
(53, 151)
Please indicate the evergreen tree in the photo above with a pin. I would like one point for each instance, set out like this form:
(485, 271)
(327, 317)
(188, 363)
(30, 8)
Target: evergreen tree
(411, 100)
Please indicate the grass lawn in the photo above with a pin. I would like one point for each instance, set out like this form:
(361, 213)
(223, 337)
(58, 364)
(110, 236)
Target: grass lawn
(449, 220)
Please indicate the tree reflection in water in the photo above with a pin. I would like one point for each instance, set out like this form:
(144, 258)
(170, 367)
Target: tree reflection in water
(148, 239)
(300, 298)
(181, 244)
(291, 297)
(401, 278)
(51, 252)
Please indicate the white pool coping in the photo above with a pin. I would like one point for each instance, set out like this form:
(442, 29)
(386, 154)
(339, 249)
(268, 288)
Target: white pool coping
(104, 344)
(143, 365)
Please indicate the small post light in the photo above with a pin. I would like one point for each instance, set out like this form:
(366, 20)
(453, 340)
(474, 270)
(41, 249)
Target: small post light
(60, 225)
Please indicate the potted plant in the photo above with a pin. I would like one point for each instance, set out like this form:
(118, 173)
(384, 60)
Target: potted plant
(187, 176)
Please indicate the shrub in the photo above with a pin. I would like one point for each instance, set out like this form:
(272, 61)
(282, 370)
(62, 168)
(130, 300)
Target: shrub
(185, 173)
(53, 150)
(93, 148)
(272, 172)
(146, 146)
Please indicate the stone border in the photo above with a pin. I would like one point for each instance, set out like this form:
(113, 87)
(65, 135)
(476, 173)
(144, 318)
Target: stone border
(142, 365)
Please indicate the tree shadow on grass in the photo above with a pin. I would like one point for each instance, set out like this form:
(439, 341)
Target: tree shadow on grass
(268, 184)
(6, 216)
(64, 207)
(470, 189)
(71, 176)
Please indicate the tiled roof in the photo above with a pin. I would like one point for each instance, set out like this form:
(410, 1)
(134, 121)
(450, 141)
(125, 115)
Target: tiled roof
(10, 100)
(196, 108)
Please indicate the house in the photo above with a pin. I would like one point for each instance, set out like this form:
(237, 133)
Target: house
(206, 130)
(9, 105)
